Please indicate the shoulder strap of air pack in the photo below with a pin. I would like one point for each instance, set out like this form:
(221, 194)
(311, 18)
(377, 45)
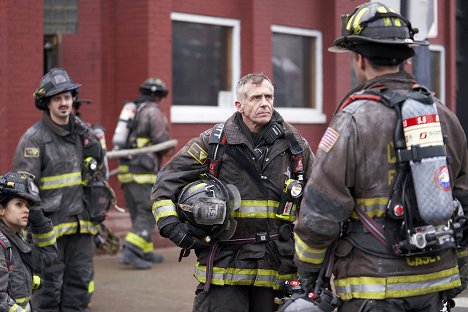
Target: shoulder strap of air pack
(216, 149)
(6, 246)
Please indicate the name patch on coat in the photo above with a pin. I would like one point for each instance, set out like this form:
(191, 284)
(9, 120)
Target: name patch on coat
(329, 139)
(198, 153)
(31, 152)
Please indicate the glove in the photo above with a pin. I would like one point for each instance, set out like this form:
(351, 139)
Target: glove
(183, 235)
(37, 218)
(308, 280)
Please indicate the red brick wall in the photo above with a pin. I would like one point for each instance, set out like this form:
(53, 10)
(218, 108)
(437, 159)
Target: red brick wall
(20, 72)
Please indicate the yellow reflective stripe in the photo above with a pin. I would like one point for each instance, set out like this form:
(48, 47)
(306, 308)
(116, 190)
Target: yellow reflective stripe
(140, 242)
(44, 239)
(88, 227)
(137, 178)
(123, 168)
(22, 300)
(15, 308)
(373, 207)
(84, 227)
(356, 27)
(141, 142)
(236, 276)
(163, 208)
(91, 287)
(261, 209)
(396, 286)
(387, 21)
(462, 253)
(308, 254)
(59, 181)
(36, 281)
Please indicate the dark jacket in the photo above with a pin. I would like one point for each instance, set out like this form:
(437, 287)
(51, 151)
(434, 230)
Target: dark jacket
(16, 278)
(54, 156)
(354, 167)
(266, 264)
(150, 127)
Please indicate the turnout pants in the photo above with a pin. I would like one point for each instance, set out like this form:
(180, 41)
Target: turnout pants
(64, 283)
(235, 299)
(137, 200)
(425, 303)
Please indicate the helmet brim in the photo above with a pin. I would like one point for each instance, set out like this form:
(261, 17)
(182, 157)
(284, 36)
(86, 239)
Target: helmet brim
(343, 44)
(70, 86)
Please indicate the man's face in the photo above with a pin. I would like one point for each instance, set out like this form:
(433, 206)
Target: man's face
(60, 107)
(257, 105)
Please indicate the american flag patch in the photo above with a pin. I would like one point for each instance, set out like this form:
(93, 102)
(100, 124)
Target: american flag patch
(329, 139)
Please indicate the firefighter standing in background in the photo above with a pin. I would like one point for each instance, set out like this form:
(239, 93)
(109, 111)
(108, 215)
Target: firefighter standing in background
(365, 181)
(53, 150)
(141, 124)
(19, 197)
(262, 157)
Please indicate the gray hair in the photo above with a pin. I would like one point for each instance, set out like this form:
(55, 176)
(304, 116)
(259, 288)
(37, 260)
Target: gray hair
(254, 78)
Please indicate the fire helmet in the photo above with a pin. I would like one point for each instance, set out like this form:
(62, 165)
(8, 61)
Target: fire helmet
(207, 204)
(374, 23)
(154, 87)
(56, 81)
(19, 184)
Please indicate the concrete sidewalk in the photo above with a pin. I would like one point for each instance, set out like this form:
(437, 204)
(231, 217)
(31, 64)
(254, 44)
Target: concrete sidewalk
(168, 286)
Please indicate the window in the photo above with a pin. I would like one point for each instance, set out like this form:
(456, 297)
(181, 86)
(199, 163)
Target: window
(437, 61)
(205, 58)
(297, 74)
(60, 16)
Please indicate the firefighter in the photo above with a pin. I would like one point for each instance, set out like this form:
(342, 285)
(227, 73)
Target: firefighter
(54, 151)
(147, 126)
(364, 197)
(267, 160)
(19, 197)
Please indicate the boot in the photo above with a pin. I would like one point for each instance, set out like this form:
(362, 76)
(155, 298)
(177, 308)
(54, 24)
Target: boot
(153, 257)
(131, 258)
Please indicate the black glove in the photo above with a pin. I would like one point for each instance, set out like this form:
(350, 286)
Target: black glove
(37, 218)
(308, 280)
(183, 235)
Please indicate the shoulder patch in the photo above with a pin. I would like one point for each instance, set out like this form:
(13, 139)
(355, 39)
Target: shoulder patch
(329, 139)
(198, 153)
(31, 152)
(207, 132)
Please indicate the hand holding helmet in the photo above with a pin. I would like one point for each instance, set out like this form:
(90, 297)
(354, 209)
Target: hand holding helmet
(182, 234)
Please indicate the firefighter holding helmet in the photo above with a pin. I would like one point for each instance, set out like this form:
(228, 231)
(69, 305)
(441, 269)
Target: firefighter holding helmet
(232, 195)
(141, 123)
(54, 150)
(390, 210)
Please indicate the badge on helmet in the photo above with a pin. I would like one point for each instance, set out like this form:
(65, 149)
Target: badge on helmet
(208, 204)
(19, 184)
(56, 81)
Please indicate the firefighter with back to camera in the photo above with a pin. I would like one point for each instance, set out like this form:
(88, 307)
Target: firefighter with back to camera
(141, 123)
(19, 260)
(390, 176)
(55, 150)
(232, 195)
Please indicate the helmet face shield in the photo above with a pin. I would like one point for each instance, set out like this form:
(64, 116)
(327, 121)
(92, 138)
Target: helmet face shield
(207, 204)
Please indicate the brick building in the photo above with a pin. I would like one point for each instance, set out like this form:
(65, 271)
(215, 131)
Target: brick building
(199, 48)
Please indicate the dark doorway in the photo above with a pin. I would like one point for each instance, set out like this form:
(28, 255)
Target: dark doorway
(462, 63)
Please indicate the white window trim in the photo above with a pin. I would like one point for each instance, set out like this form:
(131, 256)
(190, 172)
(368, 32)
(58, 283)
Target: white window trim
(306, 115)
(441, 49)
(225, 108)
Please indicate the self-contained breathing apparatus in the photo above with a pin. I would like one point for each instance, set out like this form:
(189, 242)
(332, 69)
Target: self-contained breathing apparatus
(422, 216)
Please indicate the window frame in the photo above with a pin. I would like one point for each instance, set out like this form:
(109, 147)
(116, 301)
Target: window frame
(306, 115)
(440, 49)
(225, 107)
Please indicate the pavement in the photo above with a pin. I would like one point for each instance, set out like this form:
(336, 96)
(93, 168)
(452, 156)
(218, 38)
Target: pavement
(168, 286)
